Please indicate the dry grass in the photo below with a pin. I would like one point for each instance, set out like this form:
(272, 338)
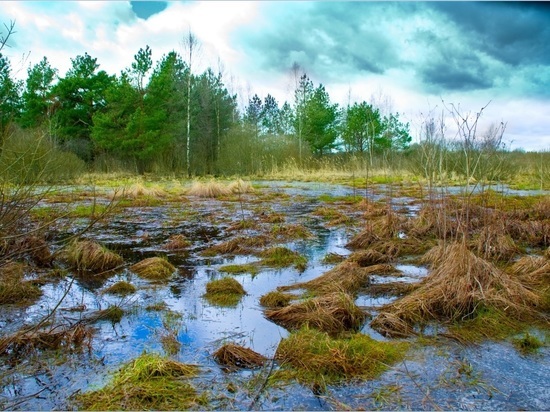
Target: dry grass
(235, 356)
(368, 257)
(149, 382)
(213, 189)
(332, 258)
(139, 190)
(347, 277)
(68, 337)
(364, 239)
(154, 268)
(240, 245)
(333, 313)
(14, 289)
(291, 231)
(224, 292)
(276, 299)
(459, 286)
(240, 187)
(177, 242)
(492, 244)
(317, 359)
(391, 288)
(87, 255)
(36, 248)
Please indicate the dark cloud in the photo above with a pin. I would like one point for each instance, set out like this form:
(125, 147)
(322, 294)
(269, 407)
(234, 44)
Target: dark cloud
(464, 46)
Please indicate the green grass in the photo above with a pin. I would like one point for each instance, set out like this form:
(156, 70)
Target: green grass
(281, 257)
(316, 359)
(239, 269)
(226, 292)
(528, 343)
(149, 382)
(122, 288)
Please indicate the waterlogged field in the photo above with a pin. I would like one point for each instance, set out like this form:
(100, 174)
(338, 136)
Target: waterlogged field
(281, 296)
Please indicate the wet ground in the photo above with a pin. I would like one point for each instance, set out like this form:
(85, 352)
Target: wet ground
(489, 376)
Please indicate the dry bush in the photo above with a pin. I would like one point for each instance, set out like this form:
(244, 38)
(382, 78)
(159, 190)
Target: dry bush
(332, 313)
(236, 356)
(177, 242)
(460, 285)
(87, 255)
(154, 268)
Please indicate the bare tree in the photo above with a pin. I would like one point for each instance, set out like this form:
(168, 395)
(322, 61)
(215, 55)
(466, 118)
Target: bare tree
(10, 30)
(191, 46)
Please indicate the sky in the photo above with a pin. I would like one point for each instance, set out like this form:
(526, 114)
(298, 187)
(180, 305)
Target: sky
(415, 58)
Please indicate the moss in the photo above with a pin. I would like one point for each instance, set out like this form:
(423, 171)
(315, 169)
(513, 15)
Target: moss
(314, 358)
(154, 268)
(280, 257)
(238, 269)
(224, 292)
(149, 382)
(122, 288)
(528, 343)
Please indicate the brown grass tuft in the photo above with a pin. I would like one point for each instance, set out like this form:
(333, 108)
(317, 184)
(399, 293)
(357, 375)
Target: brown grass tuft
(276, 299)
(364, 239)
(87, 255)
(492, 245)
(154, 268)
(177, 242)
(210, 189)
(14, 289)
(236, 356)
(332, 313)
(368, 257)
(454, 291)
(240, 187)
(239, 245)
(122, 288)
(138, 190)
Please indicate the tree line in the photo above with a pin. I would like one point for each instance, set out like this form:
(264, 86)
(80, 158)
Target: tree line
(160, 116)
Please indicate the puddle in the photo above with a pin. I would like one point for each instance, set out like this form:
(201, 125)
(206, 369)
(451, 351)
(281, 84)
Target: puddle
(136, 233)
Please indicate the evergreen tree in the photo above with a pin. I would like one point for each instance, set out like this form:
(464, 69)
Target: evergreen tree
(37, 97)
(10, 100)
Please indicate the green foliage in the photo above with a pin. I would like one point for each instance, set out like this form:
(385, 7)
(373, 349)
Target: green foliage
(10, 102)
(528, 343)
(361, 127)
(37, 97)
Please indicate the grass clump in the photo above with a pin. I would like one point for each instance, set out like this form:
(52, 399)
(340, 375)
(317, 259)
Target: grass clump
(113, 314)
(332, 258)
(177, 242)
(149, 382)
(317, 359)
(528, 344)
(224, 292)
(332, 313)
(461, 284)
(154, 268)
(291, 231)
(87, 255)
(239, 269)
(240, 245)
(281, 257)
(122, 288)
(14, 289)
(156, 307)
(276, 299)
(235, 356)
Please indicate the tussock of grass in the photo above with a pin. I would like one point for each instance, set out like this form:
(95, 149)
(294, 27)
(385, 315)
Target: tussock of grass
(528, 344)
(154, 268)
(121, 288)
(224, 292)
(272, 217)
(280, 257)
(177, 242)
(68, 337)
(139, 190)
(36, 248)
(293, 231)
(240, 187)
(238, 269)
(368, 257)
(527, 264)
(331, 258)
(333, 216)
(333, 313)
(461, 283)
(276, 299)
(156, 307)
(236, 356)
(213, 189)
(314, 358)
(493, 245)
(240, 245)
(363, 239)
(346, 277)
(113, 314)
(87, 255)
(149, 382)
(14, 289)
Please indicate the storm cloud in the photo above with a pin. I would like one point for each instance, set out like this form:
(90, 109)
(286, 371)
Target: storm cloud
(447, 46)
